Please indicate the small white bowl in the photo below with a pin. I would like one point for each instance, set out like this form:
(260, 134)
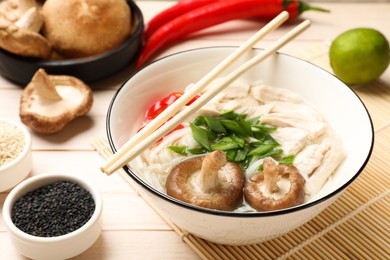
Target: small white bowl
(15, 171)
(56, 247)
(341, 107)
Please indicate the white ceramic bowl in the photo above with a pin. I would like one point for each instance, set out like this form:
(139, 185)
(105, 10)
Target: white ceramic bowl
(56, 247)
(341, 107)
(16, 170)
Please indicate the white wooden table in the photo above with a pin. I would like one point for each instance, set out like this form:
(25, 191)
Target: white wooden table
(131, 229)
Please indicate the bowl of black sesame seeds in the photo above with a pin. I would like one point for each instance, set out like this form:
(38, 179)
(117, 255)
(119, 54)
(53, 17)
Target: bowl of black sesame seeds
(53, 216)
(15, 153)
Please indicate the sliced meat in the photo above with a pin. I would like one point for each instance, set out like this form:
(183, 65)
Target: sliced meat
(318, 161)
(300, 110)
(316, 128)
(292, 140)
(266, 94)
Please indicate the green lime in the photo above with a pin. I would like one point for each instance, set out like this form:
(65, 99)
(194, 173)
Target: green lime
(359, 56)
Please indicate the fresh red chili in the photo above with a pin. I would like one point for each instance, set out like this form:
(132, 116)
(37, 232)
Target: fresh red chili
(214, 13)
(172, 12)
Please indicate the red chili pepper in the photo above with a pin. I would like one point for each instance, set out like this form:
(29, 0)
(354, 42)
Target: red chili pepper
(216, 13)
(172, 12)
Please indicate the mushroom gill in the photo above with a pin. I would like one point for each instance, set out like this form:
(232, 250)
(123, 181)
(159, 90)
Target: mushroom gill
(276, 187)
(22, 36)
(49, 102)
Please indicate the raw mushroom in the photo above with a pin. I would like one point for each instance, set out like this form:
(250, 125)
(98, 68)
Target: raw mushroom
(276, 187)
(81, 28)
(12, 10)
(208, 181)
(22, 36)
(50, 102)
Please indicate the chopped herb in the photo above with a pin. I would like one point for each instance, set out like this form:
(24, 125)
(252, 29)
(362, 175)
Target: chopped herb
(262, 149)
(272, 153)
(231, 155)
(214, 124)
(245, 126)
(201, 135)
(229, 115)
(179, 149)
(197, 150)
(262, 128)
(238, 140)
(224, 146)
(235, 127)
(287, 159)
(244, 141)
(254, 121)
(241, 155)
(265, 138)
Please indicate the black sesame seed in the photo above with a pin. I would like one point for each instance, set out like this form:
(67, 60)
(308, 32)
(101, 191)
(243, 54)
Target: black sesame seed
(53, 210)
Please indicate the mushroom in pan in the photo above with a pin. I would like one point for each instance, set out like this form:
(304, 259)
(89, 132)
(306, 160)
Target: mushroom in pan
(22, 36)
(81, 28)
(49, 102)
(209, 181)
(12, 10)
(276, 187)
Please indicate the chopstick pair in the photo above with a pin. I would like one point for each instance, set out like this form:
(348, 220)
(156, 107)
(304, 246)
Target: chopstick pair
(158, 128)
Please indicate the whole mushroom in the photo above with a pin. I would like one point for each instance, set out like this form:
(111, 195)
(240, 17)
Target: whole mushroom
(207, 181)
(21, 36)
(263, 193)
(12, 10)
(50, 102)
(81, 28)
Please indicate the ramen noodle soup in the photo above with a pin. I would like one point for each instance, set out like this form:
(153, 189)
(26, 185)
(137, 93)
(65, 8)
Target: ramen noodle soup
(252, 147)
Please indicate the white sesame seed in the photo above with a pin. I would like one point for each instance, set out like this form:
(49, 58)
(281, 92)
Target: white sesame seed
(12, 142)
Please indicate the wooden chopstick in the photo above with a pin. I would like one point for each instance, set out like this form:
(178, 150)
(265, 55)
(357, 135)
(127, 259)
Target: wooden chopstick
(139, 147)
(196, 88)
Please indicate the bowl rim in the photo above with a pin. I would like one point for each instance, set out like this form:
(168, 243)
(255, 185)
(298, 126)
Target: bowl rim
(179, 203)
(75, 61)
(22, 188)
(26, 148)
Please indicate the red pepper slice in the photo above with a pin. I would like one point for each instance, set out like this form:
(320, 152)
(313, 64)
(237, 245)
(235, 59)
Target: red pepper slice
(158, 107)
(216, 13)
(161, 105)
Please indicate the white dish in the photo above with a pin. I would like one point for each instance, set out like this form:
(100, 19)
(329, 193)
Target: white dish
(16, 170)
(341, 107)
(56, 247)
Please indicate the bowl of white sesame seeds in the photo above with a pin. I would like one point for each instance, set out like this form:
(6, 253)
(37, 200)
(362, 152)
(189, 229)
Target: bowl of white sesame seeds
(15, 153)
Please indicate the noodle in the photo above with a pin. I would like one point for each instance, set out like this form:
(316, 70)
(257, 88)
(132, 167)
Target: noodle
(300, 130)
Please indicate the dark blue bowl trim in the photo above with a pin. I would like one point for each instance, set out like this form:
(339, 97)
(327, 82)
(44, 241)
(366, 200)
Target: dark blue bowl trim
(226, 213)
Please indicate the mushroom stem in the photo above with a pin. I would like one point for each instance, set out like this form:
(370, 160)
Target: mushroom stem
(262, 199)
(271, 172)
(211, 165)
(31, 20)
(207, 181)
(44, 86)
(24, 5)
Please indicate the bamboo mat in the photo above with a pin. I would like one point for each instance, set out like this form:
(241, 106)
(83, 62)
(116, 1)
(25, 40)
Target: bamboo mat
(356, 226)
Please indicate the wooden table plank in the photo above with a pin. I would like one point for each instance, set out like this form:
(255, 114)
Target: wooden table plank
(131, 229)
